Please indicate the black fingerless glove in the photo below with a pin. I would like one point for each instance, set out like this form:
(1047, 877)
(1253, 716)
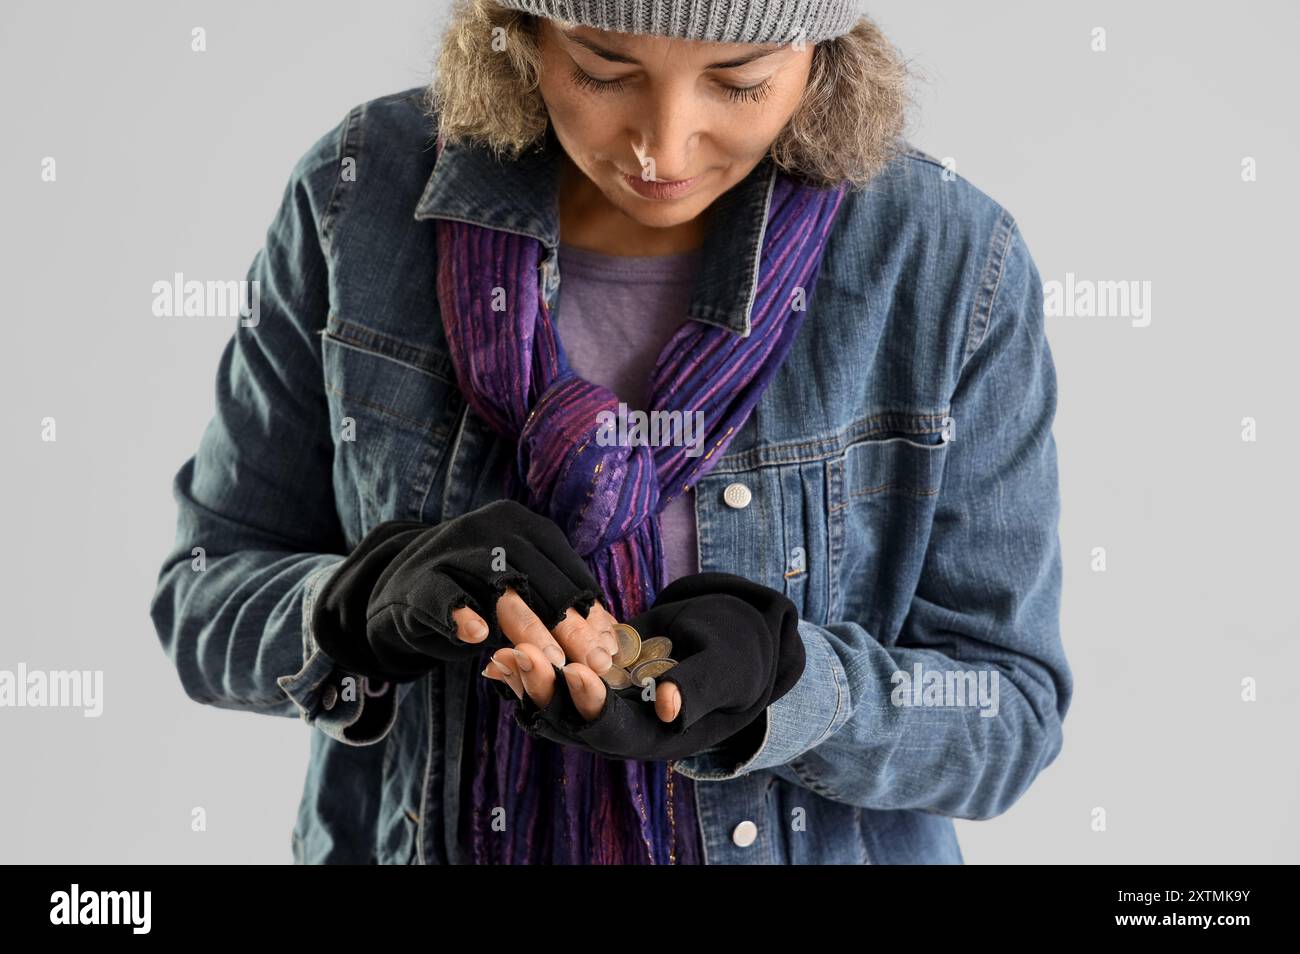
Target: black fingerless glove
(385, 613)
(738, 650)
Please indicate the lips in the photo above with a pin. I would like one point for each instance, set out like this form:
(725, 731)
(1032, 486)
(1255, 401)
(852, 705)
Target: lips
(659, 189)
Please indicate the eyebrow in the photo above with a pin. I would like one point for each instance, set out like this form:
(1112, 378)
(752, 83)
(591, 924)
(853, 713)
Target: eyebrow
(615, 57)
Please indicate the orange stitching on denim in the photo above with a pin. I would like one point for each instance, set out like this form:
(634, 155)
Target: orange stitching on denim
(841, 442)
(904, 488)
(357, 341)
(378, 407)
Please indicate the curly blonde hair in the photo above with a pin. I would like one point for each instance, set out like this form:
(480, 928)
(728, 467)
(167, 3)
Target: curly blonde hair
(847, 126)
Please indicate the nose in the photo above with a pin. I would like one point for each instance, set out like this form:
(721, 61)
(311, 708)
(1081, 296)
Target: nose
(668, 138)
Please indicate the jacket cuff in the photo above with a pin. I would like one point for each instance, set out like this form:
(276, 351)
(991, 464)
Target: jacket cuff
(343, 705)
(802, 719)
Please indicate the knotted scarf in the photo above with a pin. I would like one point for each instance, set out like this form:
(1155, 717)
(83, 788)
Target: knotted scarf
(563, 805)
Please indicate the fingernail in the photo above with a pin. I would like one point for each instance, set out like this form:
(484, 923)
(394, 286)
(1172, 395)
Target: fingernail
(555, 655)
(523, 661)
(486, 673)
(476, 631)
(677, 708)
(599, 660)
(573, 679)
(506, 670)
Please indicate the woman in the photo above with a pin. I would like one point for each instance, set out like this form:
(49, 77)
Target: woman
(423, 512)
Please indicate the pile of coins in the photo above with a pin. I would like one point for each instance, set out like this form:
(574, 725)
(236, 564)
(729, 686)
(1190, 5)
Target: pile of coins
(635, 660)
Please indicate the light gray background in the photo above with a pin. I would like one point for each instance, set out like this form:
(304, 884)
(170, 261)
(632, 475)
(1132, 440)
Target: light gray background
(1123, 165)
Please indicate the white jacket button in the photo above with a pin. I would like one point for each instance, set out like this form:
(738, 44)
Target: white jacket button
(745, 833)
(737, 496)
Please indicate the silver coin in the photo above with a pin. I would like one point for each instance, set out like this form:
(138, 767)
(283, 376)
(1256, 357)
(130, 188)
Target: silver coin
(656, 647)
(629, 644)
(652, 668)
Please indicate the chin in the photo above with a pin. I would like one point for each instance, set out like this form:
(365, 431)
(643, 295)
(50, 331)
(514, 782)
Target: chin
(662, 215)
(660, 219)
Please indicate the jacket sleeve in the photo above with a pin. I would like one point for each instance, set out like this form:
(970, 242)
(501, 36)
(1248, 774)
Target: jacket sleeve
(987, 604)
(257, 530)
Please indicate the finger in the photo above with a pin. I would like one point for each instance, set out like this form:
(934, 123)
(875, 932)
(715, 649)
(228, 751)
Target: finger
(602, 621)
(504, 662)
(668, 701)
(699, 691)
(470, 627)
(493, 672)
(521, 625)
(586, 689)
(580, 643)
(550, 591)
(537, 673)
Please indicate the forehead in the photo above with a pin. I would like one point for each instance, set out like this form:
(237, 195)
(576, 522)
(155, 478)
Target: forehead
(642, 50)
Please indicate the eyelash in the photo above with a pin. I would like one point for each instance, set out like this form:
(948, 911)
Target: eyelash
(739, 94)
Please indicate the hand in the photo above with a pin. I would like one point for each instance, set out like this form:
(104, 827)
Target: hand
(738, 650)
(410, 595)
(528, 667)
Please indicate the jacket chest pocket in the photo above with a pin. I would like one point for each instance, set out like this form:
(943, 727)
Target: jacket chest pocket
(883, 497)
(771, 525)
(393, 408)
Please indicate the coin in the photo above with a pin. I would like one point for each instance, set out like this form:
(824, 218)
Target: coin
(629, 644)
(652, 668)
(656, 647)
(616, 677)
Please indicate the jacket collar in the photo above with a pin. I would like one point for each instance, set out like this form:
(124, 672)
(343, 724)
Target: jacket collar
(469, 184)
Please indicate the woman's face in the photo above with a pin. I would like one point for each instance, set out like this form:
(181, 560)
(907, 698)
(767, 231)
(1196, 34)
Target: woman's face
(630, 107)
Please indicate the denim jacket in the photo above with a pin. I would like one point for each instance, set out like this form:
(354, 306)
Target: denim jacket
(897, 481)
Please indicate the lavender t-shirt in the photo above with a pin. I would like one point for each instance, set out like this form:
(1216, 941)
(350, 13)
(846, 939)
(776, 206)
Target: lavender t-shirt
(614, 316)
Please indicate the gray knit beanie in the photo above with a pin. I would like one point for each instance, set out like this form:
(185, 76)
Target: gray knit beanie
(718, 21)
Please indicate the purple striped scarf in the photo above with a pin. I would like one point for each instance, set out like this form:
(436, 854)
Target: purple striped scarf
(562, 804)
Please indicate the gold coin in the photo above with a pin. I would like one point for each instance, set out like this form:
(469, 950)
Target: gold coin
(652, 668)
(656, 647)
(616, 677)
(629, 644)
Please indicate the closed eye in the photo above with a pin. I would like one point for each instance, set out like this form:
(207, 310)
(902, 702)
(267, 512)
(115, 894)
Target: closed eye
(747, 94)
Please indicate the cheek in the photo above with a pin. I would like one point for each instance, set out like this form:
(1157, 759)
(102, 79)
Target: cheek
(584, 134)
(572, 114)
(784, 101)
(749, 136)
(750, 130)
(585, 124)
(561, 97)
